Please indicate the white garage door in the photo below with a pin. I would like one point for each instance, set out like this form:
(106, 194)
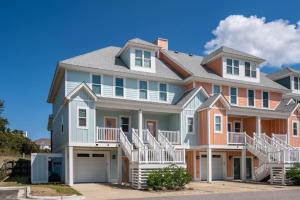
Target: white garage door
(90, 167)
(217, 167)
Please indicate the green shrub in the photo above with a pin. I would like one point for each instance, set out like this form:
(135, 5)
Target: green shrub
(172, 177)
(294, 174)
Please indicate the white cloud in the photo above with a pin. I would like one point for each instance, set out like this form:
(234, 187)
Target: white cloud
(276, 41)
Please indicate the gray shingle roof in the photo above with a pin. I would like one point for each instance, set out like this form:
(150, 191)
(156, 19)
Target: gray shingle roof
(283, 73)
(186, 97)
(286, 105)
(193, 64)
(209, 101)
(140, 41)
(106, 59)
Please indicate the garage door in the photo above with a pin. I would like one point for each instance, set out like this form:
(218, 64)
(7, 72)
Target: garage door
(217, 167)
(90, 167)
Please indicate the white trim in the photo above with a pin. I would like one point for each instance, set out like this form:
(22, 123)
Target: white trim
(87, 117)
(187, 124)
(139, 90)
(218, 115)
(101, 83)
(114, 87)
(167, 91)
(237, 95)
(297, 122)
(262, 99)
(199, 89)
(78, 88)
(208, 129)
(254, 93)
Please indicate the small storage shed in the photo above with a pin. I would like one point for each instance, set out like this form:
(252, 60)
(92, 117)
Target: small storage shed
(46, 166)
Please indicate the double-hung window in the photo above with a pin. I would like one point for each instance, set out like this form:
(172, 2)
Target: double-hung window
(232, 66)
(233, 95)
(295, 128)
(190, 124)
(82, 118)
(218, 124)
(142, 58)
(216, 89)
(250, 70)
(147, 59)
(139, 58)
(119, 87)
(163, 92)
(143, 89)
(125, 124)
(265, 99)
(251, 98)
(96, 84)
(296, 83)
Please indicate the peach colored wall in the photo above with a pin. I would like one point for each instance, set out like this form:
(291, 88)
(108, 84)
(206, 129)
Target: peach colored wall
(188, 86)
(218, 138)
(249, 125)
(242, 97)
(277, 126)
(274, 99)
(202, 115)
(206, 86)
(190, 162)
(258, 100)
(198, 164)
(216, 66)
(294, 141)
(225, 92)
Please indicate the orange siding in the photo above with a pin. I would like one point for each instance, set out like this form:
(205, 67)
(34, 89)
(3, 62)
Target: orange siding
(294, 140)
(249, 125)
(216, 66)
(218, 138)
(198, 164)
(125, 177)
(242, 97)
(206, 86)
(202, 115)
(258, 100)
(225, 92)
(189, 86)
(275, 99)
(277, 126)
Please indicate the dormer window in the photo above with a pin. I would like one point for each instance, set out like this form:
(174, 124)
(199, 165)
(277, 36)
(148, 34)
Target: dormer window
(142, 58)
(232, 66)
(250, 70)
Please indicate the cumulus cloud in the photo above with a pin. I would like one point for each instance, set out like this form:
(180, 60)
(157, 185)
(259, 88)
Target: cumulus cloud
(276, 41)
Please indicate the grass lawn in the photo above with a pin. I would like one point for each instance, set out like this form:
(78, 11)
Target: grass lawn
(51, 189)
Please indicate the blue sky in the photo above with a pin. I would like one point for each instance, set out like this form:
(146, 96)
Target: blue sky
(34, 35)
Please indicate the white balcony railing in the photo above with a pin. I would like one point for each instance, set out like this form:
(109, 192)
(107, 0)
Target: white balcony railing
(236, 138)
(172, 136)
(158, 156)
(108, 134)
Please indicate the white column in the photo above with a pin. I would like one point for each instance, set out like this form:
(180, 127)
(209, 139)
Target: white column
(66, 163)
(70, 155)
(120, 164)
(243, 164)
(141, 123)
(209, 165)
(258, 125)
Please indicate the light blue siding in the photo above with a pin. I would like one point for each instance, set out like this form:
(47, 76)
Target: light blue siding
(108, 83)
(153, 91)
(82, 135)
(59, 98)
(39, 169)
(174, 92)
(60, 139)
(74, 78)
(191, 139)
(131, 89)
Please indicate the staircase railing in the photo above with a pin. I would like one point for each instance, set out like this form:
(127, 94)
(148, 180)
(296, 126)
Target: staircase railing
(236, 138)
(172, 136)
(165, 143)
(283, 142)
(275, 145)
(126, 145)
(137, 140)
(263, 169)
(150, 139)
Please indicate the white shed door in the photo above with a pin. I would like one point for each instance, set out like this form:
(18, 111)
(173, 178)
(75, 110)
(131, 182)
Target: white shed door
(90, 167)
(217, 167)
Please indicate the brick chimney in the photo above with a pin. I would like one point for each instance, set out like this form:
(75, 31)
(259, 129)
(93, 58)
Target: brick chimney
(161, 42)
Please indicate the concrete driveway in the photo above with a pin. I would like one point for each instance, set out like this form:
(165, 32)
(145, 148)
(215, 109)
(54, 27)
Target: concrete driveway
(94, 191)
(8, 194)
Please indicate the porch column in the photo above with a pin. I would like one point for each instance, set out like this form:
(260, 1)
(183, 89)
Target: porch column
(70, 155)
(66, 163)
(243, 164)
(209, 167)
(258, 125)
(120, 164)
(141, 123)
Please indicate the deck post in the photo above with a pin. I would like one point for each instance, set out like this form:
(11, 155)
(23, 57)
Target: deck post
(141, 124)
(120, 164)
(243, 167)
(258, 125)
(209, 165)
(70, 156)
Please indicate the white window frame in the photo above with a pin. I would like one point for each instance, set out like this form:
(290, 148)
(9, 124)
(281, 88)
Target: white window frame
(231, 127)
(262, 98)
(295, 122)
(147, 90)
(241, 126)
(86, 117)
(215, 124)
(167, 88)
(187, 124)
(297, 81)
(237, 94)
(129, 122)
(233, 66)
(252, 69)
(213, 88)
(254, 93)
(143, 58)
(115, 86)
(101, 81)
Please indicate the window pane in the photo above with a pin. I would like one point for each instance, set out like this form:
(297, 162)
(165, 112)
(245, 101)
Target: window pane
(138, 62)
(217, 89)
(143, 94)
(163, 87)
(163, 96)
(138, 53)
(251, 97)
(229, 62)
(96, 89)
(218, 119)
(233, 95)
(236, 67)
(147, 63)
(190, 124)
(296, 85)
(119, 82)
(82, 113)
(265, 99)
(82, 121)
(143, 85)
(236, 63)
(247, 69)
(253, 73)
(119, 91)
(96, 79)
(229, 70)
(295, 128)
(218, 127)
(147, 55)
(125, 124)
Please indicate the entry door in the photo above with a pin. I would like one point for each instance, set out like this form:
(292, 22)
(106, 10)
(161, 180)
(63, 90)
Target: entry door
(151, 126)
(237, 168)
(248, 168)
(110, 134)
(229, 127)
(237, 127)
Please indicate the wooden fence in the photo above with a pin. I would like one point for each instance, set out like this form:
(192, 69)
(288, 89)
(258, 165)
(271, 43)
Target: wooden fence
(13, 168)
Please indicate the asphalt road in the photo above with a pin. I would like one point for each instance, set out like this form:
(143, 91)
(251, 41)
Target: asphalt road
(268, 195)
(8, 194)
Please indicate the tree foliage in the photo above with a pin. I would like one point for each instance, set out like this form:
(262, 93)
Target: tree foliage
(3, 121)
(294, 174)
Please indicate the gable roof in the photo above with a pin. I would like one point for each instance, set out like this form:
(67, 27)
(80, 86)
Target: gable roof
(140, 43)
(86, 88)
(189, 95)
(282, 73)
(231, 52)
(212, 100)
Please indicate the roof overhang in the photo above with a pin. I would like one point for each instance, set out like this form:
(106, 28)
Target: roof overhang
(81, 86)
(139, 45)
(220, 98)
(204, 92)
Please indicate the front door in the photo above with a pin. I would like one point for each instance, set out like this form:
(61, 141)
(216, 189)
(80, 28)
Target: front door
(237, 168)
(248, 168)
(110, 134)
(151, 126)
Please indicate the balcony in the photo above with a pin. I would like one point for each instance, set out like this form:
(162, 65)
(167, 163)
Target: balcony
(172, 136)
(236, 138)
(158, 156)
(109, 135)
